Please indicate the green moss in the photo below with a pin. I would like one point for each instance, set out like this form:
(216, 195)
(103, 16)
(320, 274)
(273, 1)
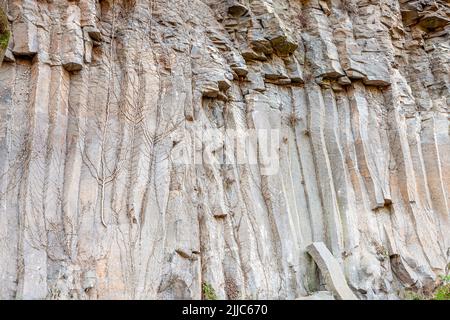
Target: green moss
(208, 292)
(443, 291)
(5, 34)
(4, 39)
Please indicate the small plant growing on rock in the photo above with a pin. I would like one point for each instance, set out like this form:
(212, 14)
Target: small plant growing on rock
(4, 39)
(208, 292)
(4, 31)
(443, 291)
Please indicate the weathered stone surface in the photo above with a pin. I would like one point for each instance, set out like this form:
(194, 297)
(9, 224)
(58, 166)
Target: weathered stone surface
(99, 100)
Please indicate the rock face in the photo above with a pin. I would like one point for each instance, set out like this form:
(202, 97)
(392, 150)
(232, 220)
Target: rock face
(99, 98)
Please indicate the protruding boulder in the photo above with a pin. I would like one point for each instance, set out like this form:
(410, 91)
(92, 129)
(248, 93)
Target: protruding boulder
(376, 70)
(72, 41)
(25, 38)
(293, 69)
(284, 45)
(274, 69)
(258, 41)
(94, 33)
(248, 54)
(9, 56)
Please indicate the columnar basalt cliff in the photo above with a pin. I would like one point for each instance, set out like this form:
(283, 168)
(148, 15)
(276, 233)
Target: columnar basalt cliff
(97, 96)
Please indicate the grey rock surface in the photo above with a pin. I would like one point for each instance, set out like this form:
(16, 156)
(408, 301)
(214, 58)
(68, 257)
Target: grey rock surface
(100, 99)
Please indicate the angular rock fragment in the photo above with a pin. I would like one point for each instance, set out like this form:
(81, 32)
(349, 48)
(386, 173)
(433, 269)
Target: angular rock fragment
(283, 45)
(73, 41)
(331, 271)
(25, 38)
(376, 71)
(294, 70)
(93, 33)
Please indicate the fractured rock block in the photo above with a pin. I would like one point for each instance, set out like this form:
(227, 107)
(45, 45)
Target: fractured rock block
(255, 81)
(88, 12)
(72, 41)
(212, 82)
(376, 70)
(293, 69)
(237, 64)
(93, 33)
(331, 271)
(25, 38)
(258, 41)
(250, 55)
(321, 51)
(274, 69)
(73, 55)
(282, 43)
(349, 53)
(9, 56)
(269, 34)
